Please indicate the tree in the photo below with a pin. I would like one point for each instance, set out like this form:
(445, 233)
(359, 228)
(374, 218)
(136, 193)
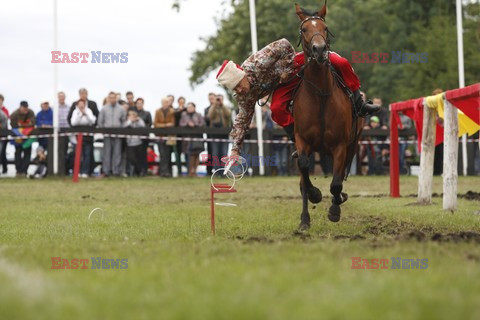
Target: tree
(409, 26)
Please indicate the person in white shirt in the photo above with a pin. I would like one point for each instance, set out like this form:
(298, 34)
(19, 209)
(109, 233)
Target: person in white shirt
(84, 117)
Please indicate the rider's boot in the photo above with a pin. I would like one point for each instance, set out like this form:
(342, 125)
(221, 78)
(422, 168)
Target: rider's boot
(364, 108)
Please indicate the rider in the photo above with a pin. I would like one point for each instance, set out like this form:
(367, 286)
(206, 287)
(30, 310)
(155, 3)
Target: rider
(256, 78)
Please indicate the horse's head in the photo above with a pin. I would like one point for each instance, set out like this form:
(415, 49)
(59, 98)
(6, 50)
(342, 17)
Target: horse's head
(314, 34)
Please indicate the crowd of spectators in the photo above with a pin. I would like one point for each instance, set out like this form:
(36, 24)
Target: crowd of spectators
(131, 156)
(137, 156)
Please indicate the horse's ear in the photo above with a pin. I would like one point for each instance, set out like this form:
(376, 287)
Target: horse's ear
(322, 13)
(300, 13)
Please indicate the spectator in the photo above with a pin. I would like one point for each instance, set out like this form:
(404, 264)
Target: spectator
(92, 105)
(45, 115)
(178, 148)
(2, 107)
(124, 105)
(375, 151)
(84, 117)
(134, 145)
(41, 161)
(152, 157)
(192, 149)
(407, 125)
(364, 96)
(212, 97)
(165, 118)
(112, 116)
(142, 113)
(180, 110)
(63, 110)
(219, 117)
(44, 120)
(130, 100)
(181, 104)
(438, 154)
(171, 99)
(3, 147)
(3, 126)
(124, 164)
(23, 117)
(147, 119)
(383, 114)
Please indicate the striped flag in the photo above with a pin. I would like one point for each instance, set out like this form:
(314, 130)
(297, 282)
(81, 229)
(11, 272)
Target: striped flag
(23, 139)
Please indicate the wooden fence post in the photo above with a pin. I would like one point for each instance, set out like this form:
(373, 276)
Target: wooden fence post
(450, 157)
(425, 178)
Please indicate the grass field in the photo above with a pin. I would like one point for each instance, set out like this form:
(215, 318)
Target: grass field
(256, 267)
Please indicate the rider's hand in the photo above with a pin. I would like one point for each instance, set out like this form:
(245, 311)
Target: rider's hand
(234, 154)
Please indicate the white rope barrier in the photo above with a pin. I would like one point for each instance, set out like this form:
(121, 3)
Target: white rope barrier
(111, 135)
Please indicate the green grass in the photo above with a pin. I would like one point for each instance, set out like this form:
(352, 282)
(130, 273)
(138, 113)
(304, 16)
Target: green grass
(255, 267)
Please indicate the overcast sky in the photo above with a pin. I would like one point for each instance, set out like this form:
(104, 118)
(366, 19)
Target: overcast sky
(159, 42)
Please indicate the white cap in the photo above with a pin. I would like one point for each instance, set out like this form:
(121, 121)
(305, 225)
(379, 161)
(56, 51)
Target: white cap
(230, 75)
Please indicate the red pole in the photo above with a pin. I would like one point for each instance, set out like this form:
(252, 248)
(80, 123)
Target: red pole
(78, 156)
(212, 210)
(394, 160)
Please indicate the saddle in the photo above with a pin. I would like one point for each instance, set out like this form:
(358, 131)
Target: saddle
(338, 81)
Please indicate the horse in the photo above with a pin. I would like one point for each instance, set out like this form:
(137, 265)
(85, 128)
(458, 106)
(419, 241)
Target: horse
(325, 120)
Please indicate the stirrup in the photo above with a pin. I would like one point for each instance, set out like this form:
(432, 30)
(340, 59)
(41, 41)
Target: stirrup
(294, 154)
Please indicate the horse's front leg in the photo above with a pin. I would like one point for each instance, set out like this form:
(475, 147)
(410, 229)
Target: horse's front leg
(305, 184)
(336, 187)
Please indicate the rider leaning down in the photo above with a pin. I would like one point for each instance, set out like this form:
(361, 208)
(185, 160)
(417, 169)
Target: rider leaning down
(277, 63)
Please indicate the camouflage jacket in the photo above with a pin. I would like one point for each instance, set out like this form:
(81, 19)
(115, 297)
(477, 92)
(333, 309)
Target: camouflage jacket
(263, 69)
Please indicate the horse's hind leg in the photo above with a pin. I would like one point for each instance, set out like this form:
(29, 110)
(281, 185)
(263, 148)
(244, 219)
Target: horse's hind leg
(336, 187)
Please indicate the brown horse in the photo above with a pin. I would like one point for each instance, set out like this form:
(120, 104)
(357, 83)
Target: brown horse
(324, 117)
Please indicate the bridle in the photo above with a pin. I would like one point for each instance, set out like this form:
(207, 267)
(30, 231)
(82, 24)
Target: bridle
(308, 52)
(308, 48)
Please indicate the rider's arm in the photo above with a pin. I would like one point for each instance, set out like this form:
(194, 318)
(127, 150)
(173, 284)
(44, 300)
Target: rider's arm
(242, 121)
(276, 57)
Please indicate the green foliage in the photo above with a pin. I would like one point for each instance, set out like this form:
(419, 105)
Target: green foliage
(366, 26)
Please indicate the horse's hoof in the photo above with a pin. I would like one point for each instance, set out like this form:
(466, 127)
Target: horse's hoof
(334, 213)
(314, 195)
(303, 227)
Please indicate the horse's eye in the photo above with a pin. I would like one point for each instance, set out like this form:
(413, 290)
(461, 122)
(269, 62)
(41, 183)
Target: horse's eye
(304, 30)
